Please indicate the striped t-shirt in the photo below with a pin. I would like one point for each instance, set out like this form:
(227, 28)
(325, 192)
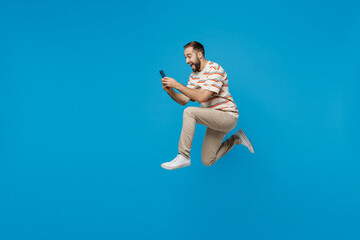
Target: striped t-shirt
(214, 78)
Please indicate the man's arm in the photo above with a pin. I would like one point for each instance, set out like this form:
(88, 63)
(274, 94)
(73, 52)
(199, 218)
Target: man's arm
(179, 98)
(199, 95)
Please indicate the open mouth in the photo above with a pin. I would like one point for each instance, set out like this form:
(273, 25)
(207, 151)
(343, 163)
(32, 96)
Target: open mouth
(193, 66)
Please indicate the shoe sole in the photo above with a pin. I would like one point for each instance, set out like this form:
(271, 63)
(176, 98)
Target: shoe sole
(177, 167)
(251, 148)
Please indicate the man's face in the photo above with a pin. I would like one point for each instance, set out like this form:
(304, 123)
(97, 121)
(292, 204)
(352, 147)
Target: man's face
(192, 58)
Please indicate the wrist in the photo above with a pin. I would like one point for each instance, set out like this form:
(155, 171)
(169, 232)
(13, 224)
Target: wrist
(179, 87)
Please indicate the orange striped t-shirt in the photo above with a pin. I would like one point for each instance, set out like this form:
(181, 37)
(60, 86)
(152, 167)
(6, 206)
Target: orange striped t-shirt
(214, 78)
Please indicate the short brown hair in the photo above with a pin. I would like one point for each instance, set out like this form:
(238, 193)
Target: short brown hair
(196, 46)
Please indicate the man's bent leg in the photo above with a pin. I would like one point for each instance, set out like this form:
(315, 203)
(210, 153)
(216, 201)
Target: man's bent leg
(211, 144)
(214, 148)
(214, 119)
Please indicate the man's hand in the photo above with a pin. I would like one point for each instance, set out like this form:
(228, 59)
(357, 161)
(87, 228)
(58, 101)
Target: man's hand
(167, 89)
(169, 82)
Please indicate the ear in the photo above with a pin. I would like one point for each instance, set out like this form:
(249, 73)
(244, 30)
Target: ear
(200, 55)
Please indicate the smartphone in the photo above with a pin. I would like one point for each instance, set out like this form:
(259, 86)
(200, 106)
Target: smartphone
(162, 74)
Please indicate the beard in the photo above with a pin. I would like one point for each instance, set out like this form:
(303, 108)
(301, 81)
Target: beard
(196, 65)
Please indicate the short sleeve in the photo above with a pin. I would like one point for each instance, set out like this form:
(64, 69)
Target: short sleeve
(215, 80)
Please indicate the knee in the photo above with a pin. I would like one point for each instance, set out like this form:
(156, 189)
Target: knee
(188, 111)
(208, 161)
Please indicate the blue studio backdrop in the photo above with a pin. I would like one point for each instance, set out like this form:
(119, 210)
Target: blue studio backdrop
(85, 123)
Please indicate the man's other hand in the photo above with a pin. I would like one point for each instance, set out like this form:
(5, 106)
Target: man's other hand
(169, 82)
(167, 89)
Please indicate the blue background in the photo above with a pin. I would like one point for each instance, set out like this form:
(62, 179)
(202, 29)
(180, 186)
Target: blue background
(85, 123)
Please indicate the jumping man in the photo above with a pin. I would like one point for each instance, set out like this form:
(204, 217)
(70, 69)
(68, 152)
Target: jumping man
(208, 85)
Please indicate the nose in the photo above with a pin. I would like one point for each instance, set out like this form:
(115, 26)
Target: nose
(187, 61)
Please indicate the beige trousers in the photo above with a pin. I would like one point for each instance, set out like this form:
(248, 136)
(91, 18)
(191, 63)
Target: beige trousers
(218, 125)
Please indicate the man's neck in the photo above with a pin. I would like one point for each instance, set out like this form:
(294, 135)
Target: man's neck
(203, 63)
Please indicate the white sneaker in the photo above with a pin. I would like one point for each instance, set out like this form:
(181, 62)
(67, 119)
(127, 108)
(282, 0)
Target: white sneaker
(178, 162)
(244, 140)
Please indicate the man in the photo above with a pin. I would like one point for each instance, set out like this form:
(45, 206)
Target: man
(208, 85)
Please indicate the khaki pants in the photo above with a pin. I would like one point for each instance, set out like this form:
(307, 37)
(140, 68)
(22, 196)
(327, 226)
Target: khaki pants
(218, 125)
